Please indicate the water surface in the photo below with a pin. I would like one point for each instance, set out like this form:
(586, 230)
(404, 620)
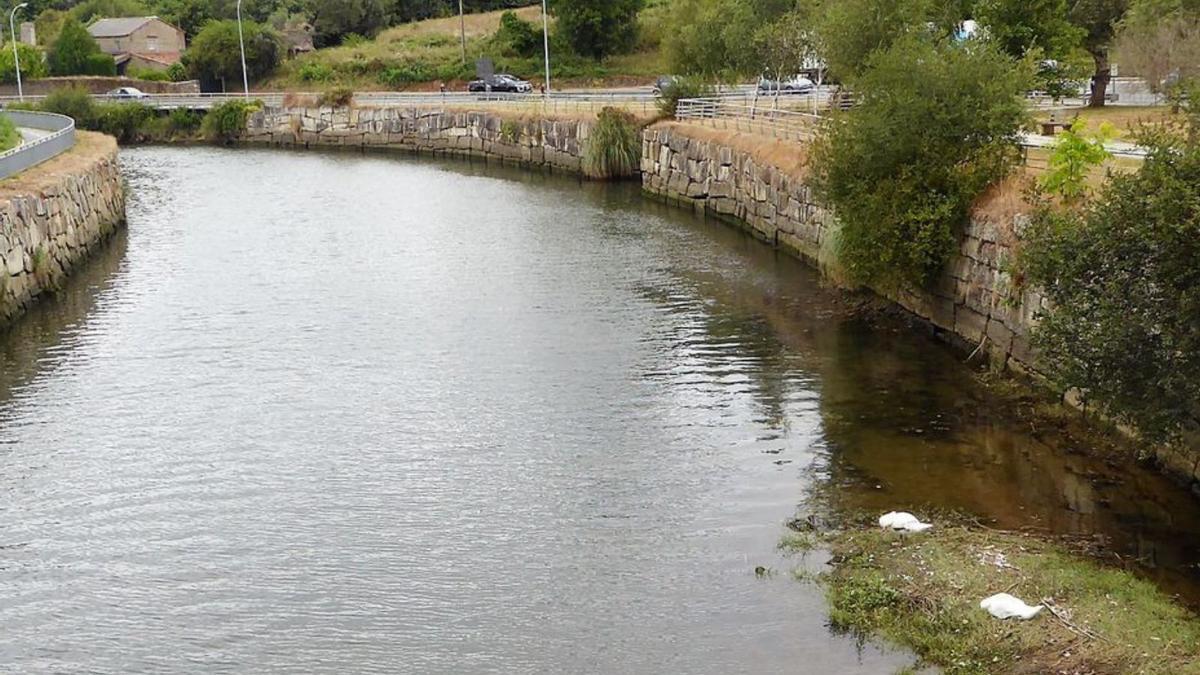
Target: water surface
(334, 413)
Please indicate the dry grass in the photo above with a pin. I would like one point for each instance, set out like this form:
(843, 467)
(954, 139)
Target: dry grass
(89, 148)
(1125, 119)
(789, 157)
(477, 25)
(925, 594)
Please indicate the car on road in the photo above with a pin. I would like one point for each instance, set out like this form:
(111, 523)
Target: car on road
(664, 83)
(501, 83)
(797, 84)
(127, 93)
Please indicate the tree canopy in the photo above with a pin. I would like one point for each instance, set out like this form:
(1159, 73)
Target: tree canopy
(214, 55)
(597, 28)
(75, 52)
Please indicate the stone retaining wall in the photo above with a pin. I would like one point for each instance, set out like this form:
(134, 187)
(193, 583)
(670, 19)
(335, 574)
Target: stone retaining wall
(973, 302)
(550, 143)
(53, 216)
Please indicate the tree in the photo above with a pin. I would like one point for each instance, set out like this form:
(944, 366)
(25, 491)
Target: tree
(597, 28)
(33, 64)
(1098, 19)
(333, 20)
(851, 31)
(1023, 26)
(785, 46)
(48, 24)
(89, 10)
(1160, 40)
(75, 52)
(937, 125)
(1123, 325)
(214, 55)
(708, 38)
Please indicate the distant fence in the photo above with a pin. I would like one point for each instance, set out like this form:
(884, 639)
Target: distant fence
(761, 117)
(60, 137)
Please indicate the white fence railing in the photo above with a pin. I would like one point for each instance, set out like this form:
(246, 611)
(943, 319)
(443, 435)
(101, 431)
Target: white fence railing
(61, 137)
(762, 116)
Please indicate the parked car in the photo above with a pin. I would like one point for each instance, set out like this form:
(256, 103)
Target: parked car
(797, 84)
(127, 93)
(501, 83)
(664, 83)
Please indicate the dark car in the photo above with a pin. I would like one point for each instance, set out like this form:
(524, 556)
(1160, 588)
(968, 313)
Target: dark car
(501, 83)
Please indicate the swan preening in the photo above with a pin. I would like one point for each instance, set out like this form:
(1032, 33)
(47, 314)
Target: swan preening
(904, 523)
(1005, 606)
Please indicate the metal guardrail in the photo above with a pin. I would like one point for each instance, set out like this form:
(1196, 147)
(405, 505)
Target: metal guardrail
(60, 139)
(760, 116)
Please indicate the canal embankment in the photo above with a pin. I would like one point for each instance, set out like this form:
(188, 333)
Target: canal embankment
(52, 217)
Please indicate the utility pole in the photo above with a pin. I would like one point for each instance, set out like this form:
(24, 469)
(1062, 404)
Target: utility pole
(12, 27)
(242, 45)
(546, 44)
(462, 29)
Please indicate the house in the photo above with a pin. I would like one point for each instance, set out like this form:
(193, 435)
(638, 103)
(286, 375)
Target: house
(140, 43)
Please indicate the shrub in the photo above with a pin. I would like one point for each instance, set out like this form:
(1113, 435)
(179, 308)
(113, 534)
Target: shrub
(1072, 159)
(99, 64)
(683, 87)
(353, 40)
(341, 97)
(937, 125)
(177, 72)
(184, 122)
(123, 121)
(1124, 320)
(9, 136)
(314, 71)
(614, 147)
(227, 121)
(517, 37)
(405, 73)
(33, 64)
(73, 51)
(150, 75)
(73, 102)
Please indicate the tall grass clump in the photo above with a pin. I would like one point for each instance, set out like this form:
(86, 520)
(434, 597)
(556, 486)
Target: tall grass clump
(9, 136)
(227, 121)
(74, 102)
(680, 88)
(614, 149)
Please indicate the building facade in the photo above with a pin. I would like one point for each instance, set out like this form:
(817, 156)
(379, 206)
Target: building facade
(145, 42)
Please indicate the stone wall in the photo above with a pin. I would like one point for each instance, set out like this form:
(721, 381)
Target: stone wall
(544, 142)
(973, 302)
(53, 215)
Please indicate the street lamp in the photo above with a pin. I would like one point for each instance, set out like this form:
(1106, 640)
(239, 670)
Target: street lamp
(12, 27)
(242, 45)
(546, 44)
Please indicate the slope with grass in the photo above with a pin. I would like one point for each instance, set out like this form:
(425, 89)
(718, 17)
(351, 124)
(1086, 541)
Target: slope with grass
(422, 55)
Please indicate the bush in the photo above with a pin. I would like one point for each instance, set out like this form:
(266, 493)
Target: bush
(99, 64)
(177, 72)
(937, 125)
(1124, 288)
(33, 64)
(614, 147)
(405, 73)
(682, 87)
(227, 121)
(517, 37)
(9, 136)
(1072, 159)
(341, 97)
(314, 71)
(75, 103)
(150, 75)
(123, 121)
(184, 122)
(76, 52)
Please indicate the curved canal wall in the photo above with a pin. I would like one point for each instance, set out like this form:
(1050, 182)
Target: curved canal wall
(541, 142)
(53, 216)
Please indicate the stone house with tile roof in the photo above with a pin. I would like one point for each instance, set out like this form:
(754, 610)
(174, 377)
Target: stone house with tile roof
(143, 42)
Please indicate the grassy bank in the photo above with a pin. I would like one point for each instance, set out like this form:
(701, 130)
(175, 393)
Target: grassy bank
(924, 594)
(421, 55)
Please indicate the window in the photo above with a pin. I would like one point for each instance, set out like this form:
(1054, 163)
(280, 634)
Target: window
(152, 43)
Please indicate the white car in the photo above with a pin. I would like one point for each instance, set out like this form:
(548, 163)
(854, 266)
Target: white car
(127, 93)
(797, 84)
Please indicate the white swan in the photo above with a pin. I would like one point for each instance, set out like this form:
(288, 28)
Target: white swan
(1005, 606)
(904, 523)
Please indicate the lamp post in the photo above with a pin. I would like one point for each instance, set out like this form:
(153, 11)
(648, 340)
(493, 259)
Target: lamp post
(546, 44)
(12, 27)
(242, 46)
(462, 30)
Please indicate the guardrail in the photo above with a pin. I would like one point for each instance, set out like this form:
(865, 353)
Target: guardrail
(60, 139)
(760, 117)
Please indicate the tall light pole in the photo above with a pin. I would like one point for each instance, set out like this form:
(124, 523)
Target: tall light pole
(546, 44)
(12, 27)
(462, 29)
(242, 45)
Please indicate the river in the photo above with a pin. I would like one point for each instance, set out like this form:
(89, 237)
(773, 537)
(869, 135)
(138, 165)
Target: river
(343, 413)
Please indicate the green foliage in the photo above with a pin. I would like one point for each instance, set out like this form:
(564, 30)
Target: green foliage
(333, 20)
(123, 121)
(405, 73)
(937, 125)
(87, 11)
(227, 121)
(33, 63)
(149, 75)
(1124, 288)
(73, 102)
(47, 25)
(614, 147)
(315, 71)
(598, 28)
(340, 97)
(510, 131)
(75, 52)
(1074, 155)
(177, 72)
(709, 38)
(517, 37)
(1160, 40)
(1099, 20)
(681, 87)
(183, 122)
(784, 46)
(852, 31)
(214, 55)
(1023, 26)
(9, 136)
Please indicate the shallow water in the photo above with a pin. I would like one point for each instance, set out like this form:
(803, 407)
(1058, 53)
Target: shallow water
(331, 413)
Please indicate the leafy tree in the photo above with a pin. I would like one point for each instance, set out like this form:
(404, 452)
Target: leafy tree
(1074, 155)
(709, 37)
(598, 28)
(89, 10)
(1099, 20)
(33, 63)
(1160, 40)
(214, 55)
(335, 19)
(786, 45)
(1123, 325)
(75, 52)
(1023, 26)
(851, 31)
(938, 123)
(48, 24)
(517, 37)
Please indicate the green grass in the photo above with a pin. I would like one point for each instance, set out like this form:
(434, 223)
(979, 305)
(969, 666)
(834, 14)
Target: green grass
(798, 542)
(924, 594)
(9, 136)
(422, 54)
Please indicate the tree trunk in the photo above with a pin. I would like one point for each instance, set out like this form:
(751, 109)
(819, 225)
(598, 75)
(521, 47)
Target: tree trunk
(1101, 79)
